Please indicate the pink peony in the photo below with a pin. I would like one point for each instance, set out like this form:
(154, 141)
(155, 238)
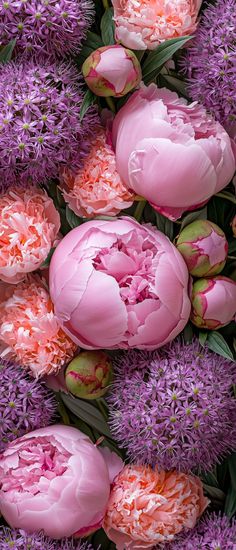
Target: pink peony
(173, 154)
(54, 479)
(144, 24)
(213, 302)
(96, 188)
(118, 284)
(29, 223)
(148, 507)
(30, 330)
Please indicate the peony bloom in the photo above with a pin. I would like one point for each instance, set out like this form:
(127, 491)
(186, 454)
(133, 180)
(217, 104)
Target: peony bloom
(30, 330)
(179, 158)
(213, 83)
(141, 24)
(165, 410)
(96, 188)
(29, 223)
(20, 540)
(112, 71)
(148, 507)
(40, 124)
(89, 374)
(55, 474)
(213, 532)
(213, 302)
(25, 405)
(204, 248)
(118, 284)
(53, 27)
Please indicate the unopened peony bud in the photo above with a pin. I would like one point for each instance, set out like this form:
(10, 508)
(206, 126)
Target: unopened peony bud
(204, 248)
(213, 302)
(89, 374)
(233, 225)
(112, 71)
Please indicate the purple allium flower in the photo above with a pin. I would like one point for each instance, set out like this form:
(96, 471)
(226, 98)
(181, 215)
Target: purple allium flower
(210, 63)
(40, 128)
(51, 27)
(36, 541)
(25, 404)
(174, 407)
(213, 532)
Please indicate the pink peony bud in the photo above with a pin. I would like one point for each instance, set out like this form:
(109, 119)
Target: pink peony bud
(233, 225)
(204, 248)
(112, 71)
(213, 302)
(89, 374)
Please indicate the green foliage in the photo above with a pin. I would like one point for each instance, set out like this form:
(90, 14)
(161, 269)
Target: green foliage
(7, 51)
(157, 58)
(108, 27)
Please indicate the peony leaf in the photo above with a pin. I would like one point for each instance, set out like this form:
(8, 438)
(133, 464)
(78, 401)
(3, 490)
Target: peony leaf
(202, 338)
(193, 216)
(6, 52)
(46, 262)
(165, 225)
(72, 219)
(230, 502)
(108, 27)
(92, 42)
(156, 59)
(88, 413)
(218, 344)
(89, 99)
(188, 333)
(232, 469)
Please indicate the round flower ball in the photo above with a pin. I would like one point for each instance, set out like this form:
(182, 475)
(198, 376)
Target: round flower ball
(148, 507)
(54, 28)
(40, 124)
(213, 302)
(174, 407)
(25, 404)
(114, 282)
(213, 84)
(112, 71)
(29, 223)
(89, 374)
(20, 540)
(213, 532)
(30, 330)
(52, 474)
(204, 248)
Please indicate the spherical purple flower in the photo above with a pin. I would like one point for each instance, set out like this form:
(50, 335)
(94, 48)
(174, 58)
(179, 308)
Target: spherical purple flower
(210, 63)
(40, 128)
(174, 407)
(37, 541)
(213, 532)
(51, 27)
(25, 404)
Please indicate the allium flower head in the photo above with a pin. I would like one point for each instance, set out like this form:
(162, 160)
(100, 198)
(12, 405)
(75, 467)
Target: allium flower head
(29, 223)
(213, 532)
(37, 541)
(173, 407)
(40, 128)
(52, 27)
(25, 404)
(210, 63)
(96, 188)
(31, 331)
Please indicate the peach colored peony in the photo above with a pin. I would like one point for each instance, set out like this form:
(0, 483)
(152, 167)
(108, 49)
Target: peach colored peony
(97, 187)
(30, 330)
(149, 507)
(144, 24)
(29, 223)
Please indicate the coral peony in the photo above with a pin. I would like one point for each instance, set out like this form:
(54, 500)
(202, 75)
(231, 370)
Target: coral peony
(51, 27)
(148, 507)
(141, 24)
(165, 410)
(55, 474)
(179, 158)
(29, 223)
(40, 124)
(96, 188)
(118, 284)
(25, 404)
(112, 71)
(214, 532)
(89, 374)
(213, 302)
(29, 328)
(20, 540)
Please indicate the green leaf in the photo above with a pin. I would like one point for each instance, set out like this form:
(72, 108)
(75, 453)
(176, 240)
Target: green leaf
(214, 493)
(89, 99)
(48, 259)
(232, 246)
(193, 216)
(232, 469)
(108, 27)
(6, 52)
(218, 344)
(202, 338)
(230, 502)
(165, 225)
(188, 333)
(72, 219)
(88, 413)
(93, 42)
(156, 59)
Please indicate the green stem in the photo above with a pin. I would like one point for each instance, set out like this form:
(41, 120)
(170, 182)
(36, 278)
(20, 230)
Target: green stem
(111, 104)
(227, 197)
(139, 210)
(105, 4)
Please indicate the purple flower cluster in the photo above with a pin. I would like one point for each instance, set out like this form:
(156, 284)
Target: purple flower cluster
(213, 532)
(40, 128)
(174, 407)
(19, 540)
(210, 63)
(25, 404)
(52, 27)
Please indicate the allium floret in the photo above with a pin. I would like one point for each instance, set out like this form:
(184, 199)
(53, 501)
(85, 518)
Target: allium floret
(37, 541)
(213, 532)
(174, 407)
